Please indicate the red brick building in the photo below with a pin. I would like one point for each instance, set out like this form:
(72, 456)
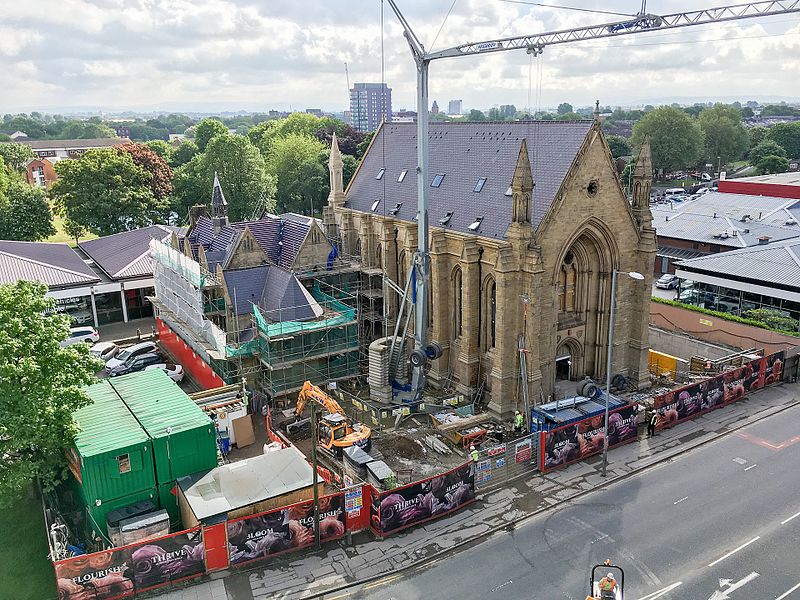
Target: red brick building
(40, 172)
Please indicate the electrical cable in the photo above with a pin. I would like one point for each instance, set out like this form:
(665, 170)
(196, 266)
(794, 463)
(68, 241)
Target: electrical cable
(586, 10)
(436, 37)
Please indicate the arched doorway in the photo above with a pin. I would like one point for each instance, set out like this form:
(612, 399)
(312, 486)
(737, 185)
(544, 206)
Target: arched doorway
(563, 363)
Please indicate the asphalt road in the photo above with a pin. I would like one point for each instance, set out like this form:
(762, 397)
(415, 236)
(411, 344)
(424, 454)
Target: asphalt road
(722, 521)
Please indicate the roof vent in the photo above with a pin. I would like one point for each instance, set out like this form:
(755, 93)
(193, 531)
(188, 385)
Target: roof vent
(375, 205)
(764, 239)
(396, 209)
(746, 218)
(715, 215)
(475, 225)
(791, 221)
(746, 230)
(724, 235)
(446, 219)
(717, 236)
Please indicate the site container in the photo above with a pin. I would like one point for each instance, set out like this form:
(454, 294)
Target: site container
(97, 514)
(183, 436)
(113, 455)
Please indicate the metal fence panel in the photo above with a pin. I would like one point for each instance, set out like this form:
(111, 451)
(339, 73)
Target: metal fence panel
(502, 463)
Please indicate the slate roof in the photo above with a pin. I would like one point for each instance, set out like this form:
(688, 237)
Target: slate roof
(776, 264)
(127, 254)
(55, 265)
(276, 291)
(464, 152)
(74, 144)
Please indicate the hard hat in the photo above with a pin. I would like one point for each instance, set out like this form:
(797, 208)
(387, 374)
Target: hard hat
(610, 576)
(472, 447)
(516, 412)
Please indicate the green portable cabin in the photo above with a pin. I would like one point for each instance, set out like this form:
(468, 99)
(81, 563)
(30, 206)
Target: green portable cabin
(183, 436)
(112, 460)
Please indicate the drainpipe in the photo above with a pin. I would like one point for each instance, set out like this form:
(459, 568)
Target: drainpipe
(480, 294)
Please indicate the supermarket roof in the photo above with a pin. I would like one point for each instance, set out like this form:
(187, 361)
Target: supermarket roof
(106, 424)
(247, 482)
(158, 403)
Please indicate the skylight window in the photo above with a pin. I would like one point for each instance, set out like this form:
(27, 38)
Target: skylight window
(437, 180)
(380, 174)
(396, 209)
(375, 205)
(446, 219)
(475, 224)
(509, 192)
(402, 175)
(479, 186)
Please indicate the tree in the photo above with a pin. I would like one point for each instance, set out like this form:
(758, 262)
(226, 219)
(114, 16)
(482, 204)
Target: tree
(85, 130)
(162, 148)
(293, 160)
(15, 155)
(106, 192)
(772, 164)
(25, 214)
(41, 386)
(765, 149)
(249, 188)
(569, 116)
(788, 136)
(262, 135)
(757, 135)
(476, 115)
(725, 136)
(747, 113)
(349, 166)
(564, 108)
(676, 139)
(160, 172)
(184, 153)
(620, 146)
(779, 110)
(208, 129)
(361, 150)
(348, 140)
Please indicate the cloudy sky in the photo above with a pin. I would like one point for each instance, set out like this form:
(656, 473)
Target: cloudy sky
(290, 54)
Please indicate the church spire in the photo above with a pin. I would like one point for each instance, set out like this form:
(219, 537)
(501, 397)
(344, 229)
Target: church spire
(336, 170)
(597, 111)
(642, 182)
(522, 185)
(219, 206)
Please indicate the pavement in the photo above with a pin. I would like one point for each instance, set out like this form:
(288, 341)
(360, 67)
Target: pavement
(121, 331)
(339, 570)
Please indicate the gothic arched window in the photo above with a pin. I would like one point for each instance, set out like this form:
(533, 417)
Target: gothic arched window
(457, 304)
(567, 284)
(490, 310)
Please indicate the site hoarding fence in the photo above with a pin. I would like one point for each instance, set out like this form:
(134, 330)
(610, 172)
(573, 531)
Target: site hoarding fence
(695, 399)
(285, 529)
(577, 441)
(129, 570)
(506, 461)
(422, 501)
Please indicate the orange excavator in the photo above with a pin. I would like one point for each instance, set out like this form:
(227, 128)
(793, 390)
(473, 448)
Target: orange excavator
(335, 432)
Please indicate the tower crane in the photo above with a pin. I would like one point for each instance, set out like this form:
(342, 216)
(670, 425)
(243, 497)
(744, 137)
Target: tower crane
(416, 290)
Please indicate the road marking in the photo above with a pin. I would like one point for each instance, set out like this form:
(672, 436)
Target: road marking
(751, 467)
(502, 585)
(681, 500)
(602, 537)
(382, 582)
(724, 594)
(786, 593)
(739, 460)
(766, 443)
(785, 521)
(660, 593)
(732, 552)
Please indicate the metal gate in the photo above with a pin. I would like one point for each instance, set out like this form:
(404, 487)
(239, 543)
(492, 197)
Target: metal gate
(501, 463)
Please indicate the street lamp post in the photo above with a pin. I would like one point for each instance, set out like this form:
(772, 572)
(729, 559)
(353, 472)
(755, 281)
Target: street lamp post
(633, 275)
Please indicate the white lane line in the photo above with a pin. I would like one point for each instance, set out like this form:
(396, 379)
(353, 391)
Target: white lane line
(751, 467)
(681, 500)
(659, 593)
(732, 552)
(786, 593)
(785, 521)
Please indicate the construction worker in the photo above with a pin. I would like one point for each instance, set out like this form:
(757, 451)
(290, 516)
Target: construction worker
(608, 587)
(519, 423)
(473, 454)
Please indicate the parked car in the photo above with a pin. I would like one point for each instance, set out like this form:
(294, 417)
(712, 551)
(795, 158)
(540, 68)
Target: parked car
(104, 350)
(667, 282)
(175, 372)
(126, 353)
(136, 363)
(80, 334)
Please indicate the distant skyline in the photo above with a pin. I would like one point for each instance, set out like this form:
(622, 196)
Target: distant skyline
(217, 55)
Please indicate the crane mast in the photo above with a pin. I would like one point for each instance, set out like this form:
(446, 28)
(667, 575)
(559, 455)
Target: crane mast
(642, 22)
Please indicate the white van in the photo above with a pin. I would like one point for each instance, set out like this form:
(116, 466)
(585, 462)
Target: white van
(674, 192)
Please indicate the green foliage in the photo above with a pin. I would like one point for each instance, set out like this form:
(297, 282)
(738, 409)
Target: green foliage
(106, 192)
(208, 129)
(757, 135)
(569, 116)
(294, 159)
(24, 213)
(476, 115)
(362, 147)
(765, 149)
(788, 136)
(347, 137)
(248, 186)
(15, 155)
(722, 315)
(85, 130)
(144, 133)
(723, 132)
(779, 110)
(564, 108)
(349, 166)
(41, 385)
(772, 318)
(772, 164)
(184, 153)
(676, 139)
(162, 148)
(262, 135)
(747, 113)
(4, 137)
(620, 146)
